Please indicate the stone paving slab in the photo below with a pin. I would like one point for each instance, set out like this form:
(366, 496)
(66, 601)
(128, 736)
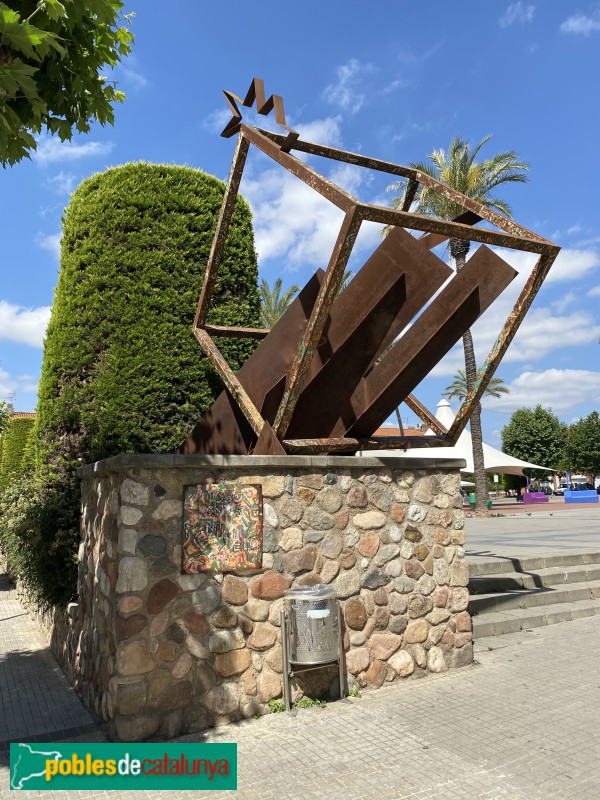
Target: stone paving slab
(520, 724)
(575, 530)
(36, 701)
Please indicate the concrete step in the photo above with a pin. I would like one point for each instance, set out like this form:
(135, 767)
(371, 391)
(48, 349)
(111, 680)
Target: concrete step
(530, 598)
(538, 579)
(497, 623)
(485, 566)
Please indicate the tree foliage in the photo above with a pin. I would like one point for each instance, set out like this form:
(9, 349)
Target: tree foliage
(122, 372)
(458, 169)
(51, 55)
(478, 180)
(535, 435)
(273, 303)
(39, 537)
(459, 388)
(15, 440)
(582, 451)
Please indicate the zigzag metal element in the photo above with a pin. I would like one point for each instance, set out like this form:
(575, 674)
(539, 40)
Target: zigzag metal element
(256, 93)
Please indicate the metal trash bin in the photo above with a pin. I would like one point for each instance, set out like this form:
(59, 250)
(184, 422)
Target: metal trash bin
(314, 624)
(311, 634)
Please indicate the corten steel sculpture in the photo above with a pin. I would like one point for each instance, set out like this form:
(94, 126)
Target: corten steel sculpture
(317, 383)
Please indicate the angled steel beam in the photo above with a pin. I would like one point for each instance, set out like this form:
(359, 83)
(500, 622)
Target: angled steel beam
(307, 174)
(220, 234)
(391, 216)
(233, 385)
(502, 222)
(256, 93)
(394, 284)
(224, 428)
(429, 338)
(431, 240)
(351, 444)
(507, 334)
(316, 324)
(425, 415)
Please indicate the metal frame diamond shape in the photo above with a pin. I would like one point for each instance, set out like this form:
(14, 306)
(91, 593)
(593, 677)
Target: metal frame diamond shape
(511, 235)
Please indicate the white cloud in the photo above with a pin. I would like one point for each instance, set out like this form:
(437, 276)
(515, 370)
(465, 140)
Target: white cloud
(595, 292)
(294, 223)
(216, 120)
(322, 131)
(62, 183)
(516, 12)
(564, 302)
(553, 388)
(23, 325)
(542, 331)
(570, 263)
(345, 92)
(50, 150)
(582, 24)
(50, 242)
(12, 387)
(398, 83)
(135, 79)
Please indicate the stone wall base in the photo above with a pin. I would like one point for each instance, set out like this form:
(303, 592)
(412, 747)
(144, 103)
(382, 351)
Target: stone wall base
(160, 653)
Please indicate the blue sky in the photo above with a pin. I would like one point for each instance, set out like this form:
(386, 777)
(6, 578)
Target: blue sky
(392, 80)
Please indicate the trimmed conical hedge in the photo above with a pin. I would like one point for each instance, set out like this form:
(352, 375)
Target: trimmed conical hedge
(122, 371)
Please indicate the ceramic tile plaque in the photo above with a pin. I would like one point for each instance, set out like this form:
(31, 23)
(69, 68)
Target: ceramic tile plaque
(222, 527)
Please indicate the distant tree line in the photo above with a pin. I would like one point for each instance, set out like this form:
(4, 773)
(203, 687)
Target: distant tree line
(538, 436)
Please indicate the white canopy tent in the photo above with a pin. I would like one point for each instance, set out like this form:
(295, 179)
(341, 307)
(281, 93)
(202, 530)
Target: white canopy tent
(494, 460)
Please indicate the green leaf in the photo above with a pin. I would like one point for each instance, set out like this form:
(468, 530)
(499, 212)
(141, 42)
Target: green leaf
(54, 9)
(17, 77)
(21, 37)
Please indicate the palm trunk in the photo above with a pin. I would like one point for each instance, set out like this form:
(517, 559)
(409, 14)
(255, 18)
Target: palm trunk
(459, 249)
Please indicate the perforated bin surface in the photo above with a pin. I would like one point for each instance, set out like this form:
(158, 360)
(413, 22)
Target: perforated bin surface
(314, 630)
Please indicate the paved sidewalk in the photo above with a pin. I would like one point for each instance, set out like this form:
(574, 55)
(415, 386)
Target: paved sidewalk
(522, 724)
(36, 700)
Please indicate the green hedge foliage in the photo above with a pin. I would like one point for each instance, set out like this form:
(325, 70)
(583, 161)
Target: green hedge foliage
(39, 536)
(122, 372)
(15, 442)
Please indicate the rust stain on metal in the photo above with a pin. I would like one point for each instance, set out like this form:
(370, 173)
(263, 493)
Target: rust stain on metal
(236, 332)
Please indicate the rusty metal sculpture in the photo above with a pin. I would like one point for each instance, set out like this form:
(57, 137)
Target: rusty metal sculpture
(317, 383)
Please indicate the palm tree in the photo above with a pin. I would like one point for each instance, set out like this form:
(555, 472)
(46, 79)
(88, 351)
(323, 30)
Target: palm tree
(272, 303)
(477, 180)
(459, 387)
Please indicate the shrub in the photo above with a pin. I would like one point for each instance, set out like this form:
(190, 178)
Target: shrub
(122, 372)
(15, 442)
(39, 536)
